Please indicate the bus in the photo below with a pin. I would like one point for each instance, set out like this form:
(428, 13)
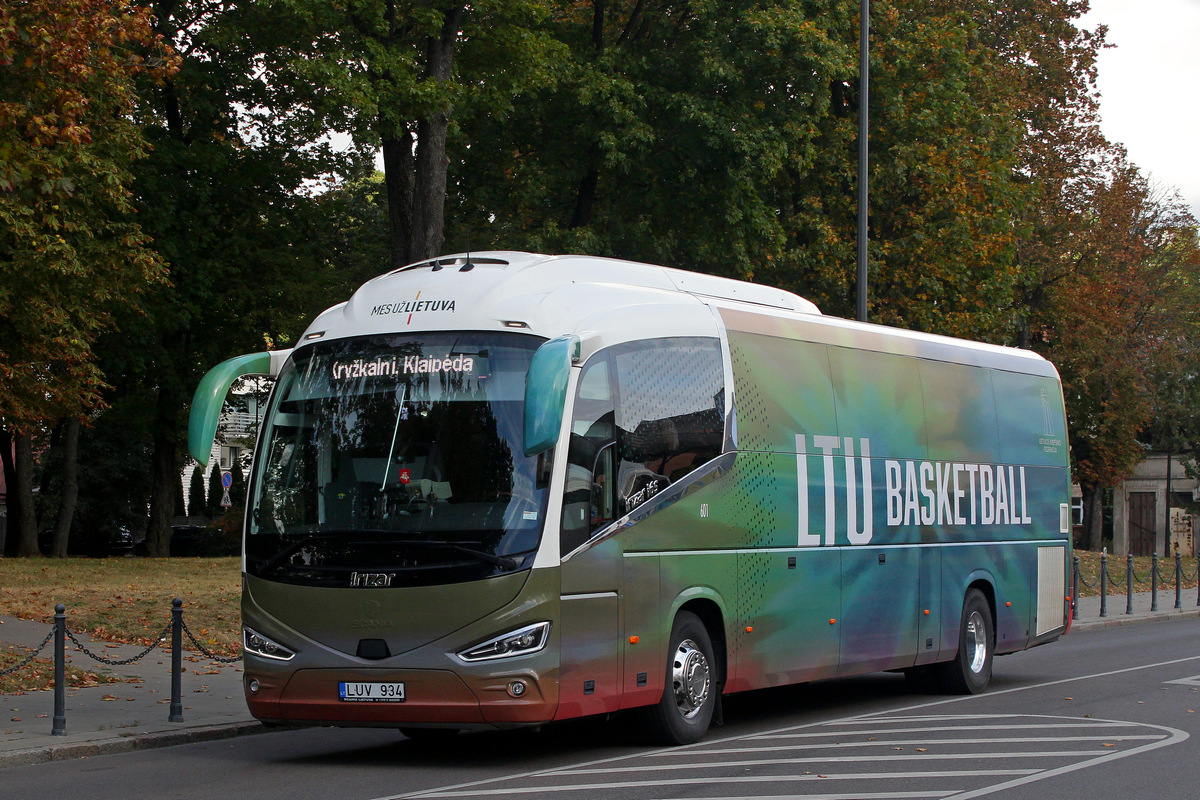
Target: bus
(501, 489)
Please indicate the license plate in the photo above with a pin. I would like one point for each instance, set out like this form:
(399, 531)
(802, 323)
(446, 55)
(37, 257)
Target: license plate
(371, 692)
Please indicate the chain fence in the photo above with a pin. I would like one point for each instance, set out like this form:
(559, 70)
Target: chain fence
(1129, 579)
(59, 634)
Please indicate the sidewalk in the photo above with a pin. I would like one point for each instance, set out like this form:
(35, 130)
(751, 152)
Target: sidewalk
(1087, 609)
(118, 717)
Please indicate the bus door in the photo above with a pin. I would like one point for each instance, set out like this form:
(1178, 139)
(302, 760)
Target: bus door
(591, 571)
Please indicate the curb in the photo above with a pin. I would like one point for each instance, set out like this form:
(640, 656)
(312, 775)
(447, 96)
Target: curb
(147, 741)
(1121, 619)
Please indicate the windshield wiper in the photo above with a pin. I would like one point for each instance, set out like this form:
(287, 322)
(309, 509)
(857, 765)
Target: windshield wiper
(504, 562)
(268, 563)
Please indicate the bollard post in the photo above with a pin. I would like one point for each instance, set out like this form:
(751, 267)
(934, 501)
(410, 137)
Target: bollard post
(1154, 581)
(59, 728)
(1104, 583)
(1129, 583)
(176, 714)
(1074, 585)
(1178, 580)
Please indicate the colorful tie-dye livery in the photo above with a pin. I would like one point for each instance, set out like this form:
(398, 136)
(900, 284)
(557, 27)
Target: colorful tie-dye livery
(832, 498)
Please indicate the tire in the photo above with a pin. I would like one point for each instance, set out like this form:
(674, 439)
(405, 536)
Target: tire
(689, 697)
(971, 669)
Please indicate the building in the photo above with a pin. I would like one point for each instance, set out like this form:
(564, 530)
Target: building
(236, 432)
(1143, 521)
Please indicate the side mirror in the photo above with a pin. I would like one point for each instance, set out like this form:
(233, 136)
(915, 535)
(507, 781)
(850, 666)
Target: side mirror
(546, 392)
(210, 396)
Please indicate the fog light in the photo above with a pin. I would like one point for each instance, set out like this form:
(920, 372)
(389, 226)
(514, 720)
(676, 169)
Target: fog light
(516, 688)
(253, 686)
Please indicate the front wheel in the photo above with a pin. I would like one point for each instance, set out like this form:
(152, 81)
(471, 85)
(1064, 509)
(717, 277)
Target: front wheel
(683, 714)
(971, 669)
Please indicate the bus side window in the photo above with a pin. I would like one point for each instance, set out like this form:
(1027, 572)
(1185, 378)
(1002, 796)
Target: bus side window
(588, 497)
(670, 414)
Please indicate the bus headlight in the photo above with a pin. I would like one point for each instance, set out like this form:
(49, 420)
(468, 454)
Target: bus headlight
(255, 642)
(520, 642)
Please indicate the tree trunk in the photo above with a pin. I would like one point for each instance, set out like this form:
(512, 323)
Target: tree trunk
(70, 486)
(162, 490)
(27, 527)
(1093, 517)
(432, 164)
(12, 501)
(585, 197)
(398, 181)
(429, 196)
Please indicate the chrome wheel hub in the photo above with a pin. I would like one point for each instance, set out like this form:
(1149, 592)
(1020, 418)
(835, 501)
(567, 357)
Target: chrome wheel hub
(976, 642)
(691, 678)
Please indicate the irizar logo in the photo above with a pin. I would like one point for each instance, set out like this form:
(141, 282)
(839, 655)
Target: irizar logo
(921, 493)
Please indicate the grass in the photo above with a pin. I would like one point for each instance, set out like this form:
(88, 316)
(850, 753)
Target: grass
(124, 600)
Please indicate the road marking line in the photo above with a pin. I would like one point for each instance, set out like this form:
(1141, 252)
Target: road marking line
(1177, 737)
(763, 762)
(1192, 681)
(857, 718)
(585, 787)
(1068, 723)
(839, 796)
(924, 742)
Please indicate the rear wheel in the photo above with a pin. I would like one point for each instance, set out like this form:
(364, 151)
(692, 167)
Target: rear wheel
(971, 669)
(683, 714)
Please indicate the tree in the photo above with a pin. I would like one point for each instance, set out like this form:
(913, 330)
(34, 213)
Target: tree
(237, 490)
(70, 251)
(69, 485)
(223, 195)
(71, 254)
(180, 506)
(215, 491)
(665, 138)
(944, 138)
(1124, 315)
(197, 505)
(723, 138)
(397, 75)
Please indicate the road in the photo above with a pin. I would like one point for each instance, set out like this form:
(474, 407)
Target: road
(1101, 714)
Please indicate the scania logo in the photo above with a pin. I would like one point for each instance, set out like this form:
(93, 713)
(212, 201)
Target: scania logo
(371, 617)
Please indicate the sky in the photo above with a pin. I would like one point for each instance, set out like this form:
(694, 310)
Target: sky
(1150, 87)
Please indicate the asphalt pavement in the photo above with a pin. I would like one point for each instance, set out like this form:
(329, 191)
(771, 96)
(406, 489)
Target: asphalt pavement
(133, 713)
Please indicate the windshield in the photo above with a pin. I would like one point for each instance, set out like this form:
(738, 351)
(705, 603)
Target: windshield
(397, 460)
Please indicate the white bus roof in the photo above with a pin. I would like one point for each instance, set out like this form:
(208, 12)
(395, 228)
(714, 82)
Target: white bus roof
(606, 301)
